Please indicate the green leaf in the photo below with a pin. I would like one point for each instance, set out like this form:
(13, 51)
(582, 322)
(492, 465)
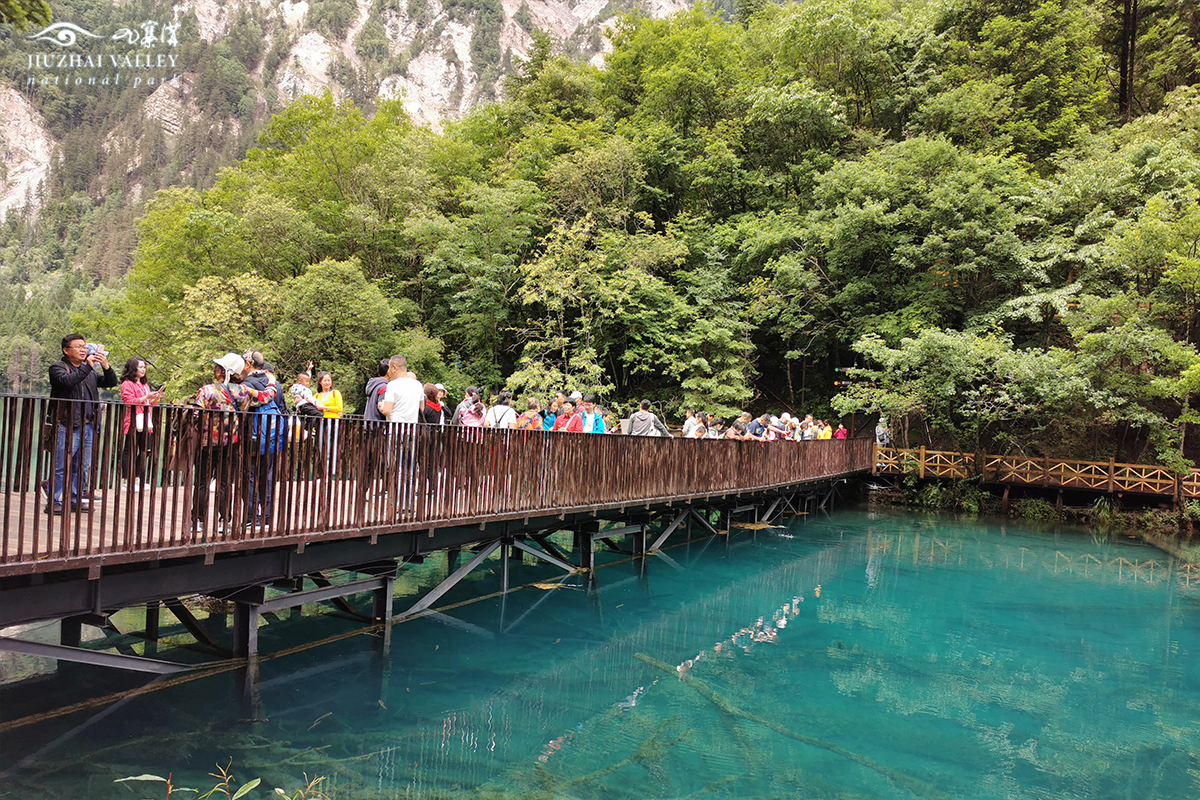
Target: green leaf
(246, 788)
(141, 778)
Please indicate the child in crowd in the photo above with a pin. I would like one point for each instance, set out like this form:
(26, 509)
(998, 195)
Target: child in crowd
(306, 401)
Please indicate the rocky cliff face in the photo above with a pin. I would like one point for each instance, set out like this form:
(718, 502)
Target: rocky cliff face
(428, 62)
(25, 151)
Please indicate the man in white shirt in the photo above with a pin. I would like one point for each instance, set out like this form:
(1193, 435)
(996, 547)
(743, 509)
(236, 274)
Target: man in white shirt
(403, 397)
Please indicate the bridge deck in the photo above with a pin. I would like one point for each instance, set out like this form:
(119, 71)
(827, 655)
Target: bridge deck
(348, 479)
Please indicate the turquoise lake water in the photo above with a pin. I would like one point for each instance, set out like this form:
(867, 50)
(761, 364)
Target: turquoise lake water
(854, 655)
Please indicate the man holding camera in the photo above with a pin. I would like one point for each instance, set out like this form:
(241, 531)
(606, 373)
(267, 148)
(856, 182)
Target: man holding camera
(77, 379)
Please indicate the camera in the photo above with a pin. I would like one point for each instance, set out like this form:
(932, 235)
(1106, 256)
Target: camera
(93, 348)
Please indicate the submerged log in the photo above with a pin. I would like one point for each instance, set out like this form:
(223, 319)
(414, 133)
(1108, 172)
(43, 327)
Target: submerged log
(914, 785)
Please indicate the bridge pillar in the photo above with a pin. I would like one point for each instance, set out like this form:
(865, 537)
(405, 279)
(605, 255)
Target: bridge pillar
(586, 544)
(381, 611)
(247, 678)
(381, 600)
(71, 631)
(245, 629)
(506, 551)
(152, 616)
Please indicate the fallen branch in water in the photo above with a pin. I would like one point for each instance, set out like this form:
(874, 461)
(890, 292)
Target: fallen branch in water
(650, 749)
(917, 787)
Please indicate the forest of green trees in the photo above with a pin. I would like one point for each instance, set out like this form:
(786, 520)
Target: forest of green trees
(981, 219)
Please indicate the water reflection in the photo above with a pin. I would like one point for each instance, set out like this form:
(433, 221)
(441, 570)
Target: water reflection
(847, 656)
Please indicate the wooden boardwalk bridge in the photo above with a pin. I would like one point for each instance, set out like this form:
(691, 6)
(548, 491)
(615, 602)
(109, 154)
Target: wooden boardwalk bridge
(290, 500)
(1109, 477)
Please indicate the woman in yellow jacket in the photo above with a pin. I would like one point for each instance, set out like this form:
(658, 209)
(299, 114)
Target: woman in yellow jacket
(826, 431)
(329, 400)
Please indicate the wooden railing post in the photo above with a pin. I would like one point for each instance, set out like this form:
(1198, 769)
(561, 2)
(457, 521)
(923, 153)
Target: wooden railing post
(874, 458)
(921, 464)
(1112, 475)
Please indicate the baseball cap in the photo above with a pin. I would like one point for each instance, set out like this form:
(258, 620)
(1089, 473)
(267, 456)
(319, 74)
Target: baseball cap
(439, 387)
(232, 363)
(576, 396)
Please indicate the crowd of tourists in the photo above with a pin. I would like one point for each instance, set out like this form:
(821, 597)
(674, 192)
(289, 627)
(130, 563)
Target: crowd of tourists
(765, 428)
(248, 382)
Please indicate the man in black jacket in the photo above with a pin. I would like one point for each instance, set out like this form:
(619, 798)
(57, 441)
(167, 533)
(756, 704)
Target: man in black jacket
(76, 379)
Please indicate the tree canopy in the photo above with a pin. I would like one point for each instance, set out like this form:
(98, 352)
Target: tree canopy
(23, 13)
(952, 198)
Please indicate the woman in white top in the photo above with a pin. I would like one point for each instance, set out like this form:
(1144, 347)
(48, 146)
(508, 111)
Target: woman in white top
(501, 415)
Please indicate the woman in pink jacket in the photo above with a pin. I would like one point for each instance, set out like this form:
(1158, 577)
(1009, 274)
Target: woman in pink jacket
(137, 427)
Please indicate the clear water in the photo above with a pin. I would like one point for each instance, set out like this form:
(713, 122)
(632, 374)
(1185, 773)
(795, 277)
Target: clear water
(849, 656)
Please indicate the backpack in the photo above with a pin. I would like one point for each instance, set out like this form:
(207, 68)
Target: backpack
(492, 420)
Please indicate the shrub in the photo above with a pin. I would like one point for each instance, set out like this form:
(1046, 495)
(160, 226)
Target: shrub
(965, 496)
(1034, 508)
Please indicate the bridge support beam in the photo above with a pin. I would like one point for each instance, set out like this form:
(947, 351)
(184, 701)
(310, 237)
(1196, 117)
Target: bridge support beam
(704, 522)
(662, 537)
(557, 561)
(543, 541)
(339, 602)
(452, 580)
(251, 603)
(770, 513)
(592, 532)
(194, 627)
(98, 658)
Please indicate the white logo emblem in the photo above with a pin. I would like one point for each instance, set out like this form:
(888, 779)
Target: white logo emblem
(62, 34)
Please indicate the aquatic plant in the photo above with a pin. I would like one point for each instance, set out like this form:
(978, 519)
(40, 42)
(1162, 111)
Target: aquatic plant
(224, 786)
(225, 782)
(1103, 511)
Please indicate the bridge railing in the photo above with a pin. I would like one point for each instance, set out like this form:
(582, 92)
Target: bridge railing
(183, 480)
(1100, 476)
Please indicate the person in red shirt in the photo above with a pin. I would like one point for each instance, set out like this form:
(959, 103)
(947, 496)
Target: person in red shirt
(568, 421)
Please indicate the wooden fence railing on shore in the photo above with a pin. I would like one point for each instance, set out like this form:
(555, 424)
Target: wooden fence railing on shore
(214, 482)
(1098, 476)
